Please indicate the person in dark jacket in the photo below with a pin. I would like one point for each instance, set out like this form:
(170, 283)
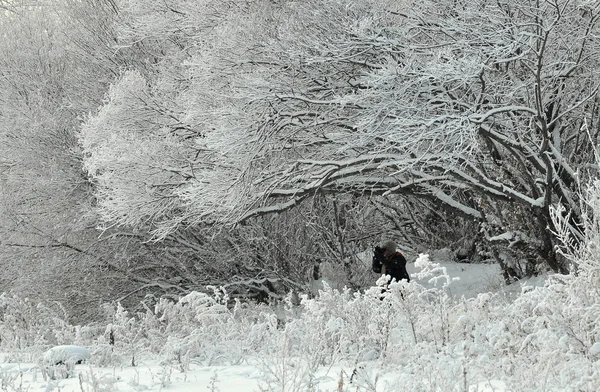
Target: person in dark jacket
(388, 261)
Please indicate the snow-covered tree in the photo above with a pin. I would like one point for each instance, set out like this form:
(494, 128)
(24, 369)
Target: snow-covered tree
(485, 109)
(480, 107)
(56, 61)
(42, 190)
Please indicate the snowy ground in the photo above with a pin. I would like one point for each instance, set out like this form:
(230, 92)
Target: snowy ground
(154, 377)
(150, 375)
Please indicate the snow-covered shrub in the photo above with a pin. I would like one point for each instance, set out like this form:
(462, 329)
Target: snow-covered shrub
(191, 326)
(25, 325)
(124, 333)
(289, 373)
(553, 330)
(102, 354)
(347, 324)
(433, 341)
(198, 328)
(398, 326)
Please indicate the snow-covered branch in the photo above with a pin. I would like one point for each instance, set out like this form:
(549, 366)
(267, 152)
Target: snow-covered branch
(281, 102)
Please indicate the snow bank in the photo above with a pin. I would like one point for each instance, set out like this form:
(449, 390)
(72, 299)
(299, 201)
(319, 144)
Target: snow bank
(465, 279)
(66, 354)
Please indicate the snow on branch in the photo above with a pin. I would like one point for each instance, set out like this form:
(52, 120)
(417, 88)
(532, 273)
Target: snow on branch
(481, 118)
(451, 202)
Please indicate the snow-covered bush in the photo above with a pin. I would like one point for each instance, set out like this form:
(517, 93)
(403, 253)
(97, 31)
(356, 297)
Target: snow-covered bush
(198, 328)
(25, 325)
(433, 341)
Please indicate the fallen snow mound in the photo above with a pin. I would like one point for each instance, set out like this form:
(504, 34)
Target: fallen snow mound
(66, 354)
(466, 279)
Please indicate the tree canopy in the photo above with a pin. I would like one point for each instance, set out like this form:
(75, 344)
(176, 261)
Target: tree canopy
(487, 109)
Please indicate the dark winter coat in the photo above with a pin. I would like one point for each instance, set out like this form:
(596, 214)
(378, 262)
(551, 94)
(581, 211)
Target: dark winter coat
(395, 266)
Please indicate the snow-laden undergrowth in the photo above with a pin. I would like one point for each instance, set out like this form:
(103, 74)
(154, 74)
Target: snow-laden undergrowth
(417, 337)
